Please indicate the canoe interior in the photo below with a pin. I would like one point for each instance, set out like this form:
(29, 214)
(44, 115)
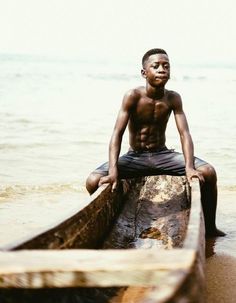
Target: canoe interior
(148, 212)
(155, 214)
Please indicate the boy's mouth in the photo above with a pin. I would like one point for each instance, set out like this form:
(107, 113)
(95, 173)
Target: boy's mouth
(162, 77)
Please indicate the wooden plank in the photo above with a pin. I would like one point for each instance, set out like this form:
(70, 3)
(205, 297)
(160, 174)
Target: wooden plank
(73, 268)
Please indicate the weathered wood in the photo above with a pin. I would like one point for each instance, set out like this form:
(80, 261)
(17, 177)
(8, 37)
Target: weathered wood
(155, 216)
(38, 269)
(83, 228)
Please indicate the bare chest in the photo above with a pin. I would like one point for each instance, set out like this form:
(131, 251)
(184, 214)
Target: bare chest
(152, 111)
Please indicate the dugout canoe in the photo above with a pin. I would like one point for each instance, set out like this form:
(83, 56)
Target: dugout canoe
(143, 243)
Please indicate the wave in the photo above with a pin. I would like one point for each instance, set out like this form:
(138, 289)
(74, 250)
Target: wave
(112, 76)
(8, 191)
(10, 146)
(87, 142)
(227, 187)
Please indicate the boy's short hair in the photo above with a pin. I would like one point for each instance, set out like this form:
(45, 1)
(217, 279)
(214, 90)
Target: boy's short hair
(152, 51)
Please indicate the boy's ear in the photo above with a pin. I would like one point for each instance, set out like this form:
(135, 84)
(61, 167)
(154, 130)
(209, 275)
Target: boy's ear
(143, 73)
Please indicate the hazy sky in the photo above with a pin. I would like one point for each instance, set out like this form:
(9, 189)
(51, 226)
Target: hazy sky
(201, 30)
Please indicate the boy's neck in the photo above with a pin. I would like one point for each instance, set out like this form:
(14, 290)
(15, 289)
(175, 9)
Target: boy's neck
(155, 92)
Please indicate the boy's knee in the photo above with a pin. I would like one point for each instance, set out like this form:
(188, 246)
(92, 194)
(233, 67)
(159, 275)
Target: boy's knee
(209, 173)
(92, 182)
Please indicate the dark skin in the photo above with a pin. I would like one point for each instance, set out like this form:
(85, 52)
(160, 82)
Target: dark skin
(146, 111)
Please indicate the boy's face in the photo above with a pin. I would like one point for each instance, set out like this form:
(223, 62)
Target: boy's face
(156, 70)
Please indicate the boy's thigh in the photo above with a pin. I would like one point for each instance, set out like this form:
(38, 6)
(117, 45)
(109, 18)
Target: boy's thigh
(173, 163)
(130, 165)
(133, 164)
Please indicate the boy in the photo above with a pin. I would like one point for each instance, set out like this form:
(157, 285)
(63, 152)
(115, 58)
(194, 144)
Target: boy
(146, 111)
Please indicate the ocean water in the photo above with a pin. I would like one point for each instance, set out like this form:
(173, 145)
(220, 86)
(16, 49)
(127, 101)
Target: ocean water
(57, 116)
(56, 119)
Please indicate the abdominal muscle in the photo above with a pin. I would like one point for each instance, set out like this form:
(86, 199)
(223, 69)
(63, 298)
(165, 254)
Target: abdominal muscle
(147, 138)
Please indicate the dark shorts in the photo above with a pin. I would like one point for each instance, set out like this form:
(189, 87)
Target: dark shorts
(162, 162)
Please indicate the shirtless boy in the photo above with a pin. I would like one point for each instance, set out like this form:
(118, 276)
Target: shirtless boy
(146, 111)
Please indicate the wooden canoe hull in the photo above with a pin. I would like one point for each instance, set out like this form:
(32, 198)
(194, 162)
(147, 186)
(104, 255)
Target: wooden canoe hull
(84, 228)
(156, 215)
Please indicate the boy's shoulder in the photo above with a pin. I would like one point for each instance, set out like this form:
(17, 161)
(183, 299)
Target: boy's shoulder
(172, 94)
(174, 99)
(136, 92)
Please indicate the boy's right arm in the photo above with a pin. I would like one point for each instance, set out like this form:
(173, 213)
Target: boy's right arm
(116, 139)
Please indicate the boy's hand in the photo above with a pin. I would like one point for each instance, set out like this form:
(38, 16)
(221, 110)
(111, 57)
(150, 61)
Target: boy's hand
(193, 173)
(112, 179)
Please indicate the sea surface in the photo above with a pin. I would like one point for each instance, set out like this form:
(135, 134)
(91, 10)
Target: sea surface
(56, 119)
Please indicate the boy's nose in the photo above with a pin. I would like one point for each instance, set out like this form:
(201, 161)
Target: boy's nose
(161, 68)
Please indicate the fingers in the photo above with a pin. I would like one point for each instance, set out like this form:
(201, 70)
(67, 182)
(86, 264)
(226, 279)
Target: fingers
(190, 179)
(201, 178)
(107, 179)
(114, 187)
(104, 180)
(198, 175)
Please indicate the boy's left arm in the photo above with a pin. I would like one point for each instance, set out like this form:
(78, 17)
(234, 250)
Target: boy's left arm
(186, 140)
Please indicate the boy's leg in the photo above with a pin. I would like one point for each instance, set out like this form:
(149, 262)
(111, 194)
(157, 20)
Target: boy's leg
(94, 178)
(128, 168)
(173, 163)
(92, 182)
(209, 200)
